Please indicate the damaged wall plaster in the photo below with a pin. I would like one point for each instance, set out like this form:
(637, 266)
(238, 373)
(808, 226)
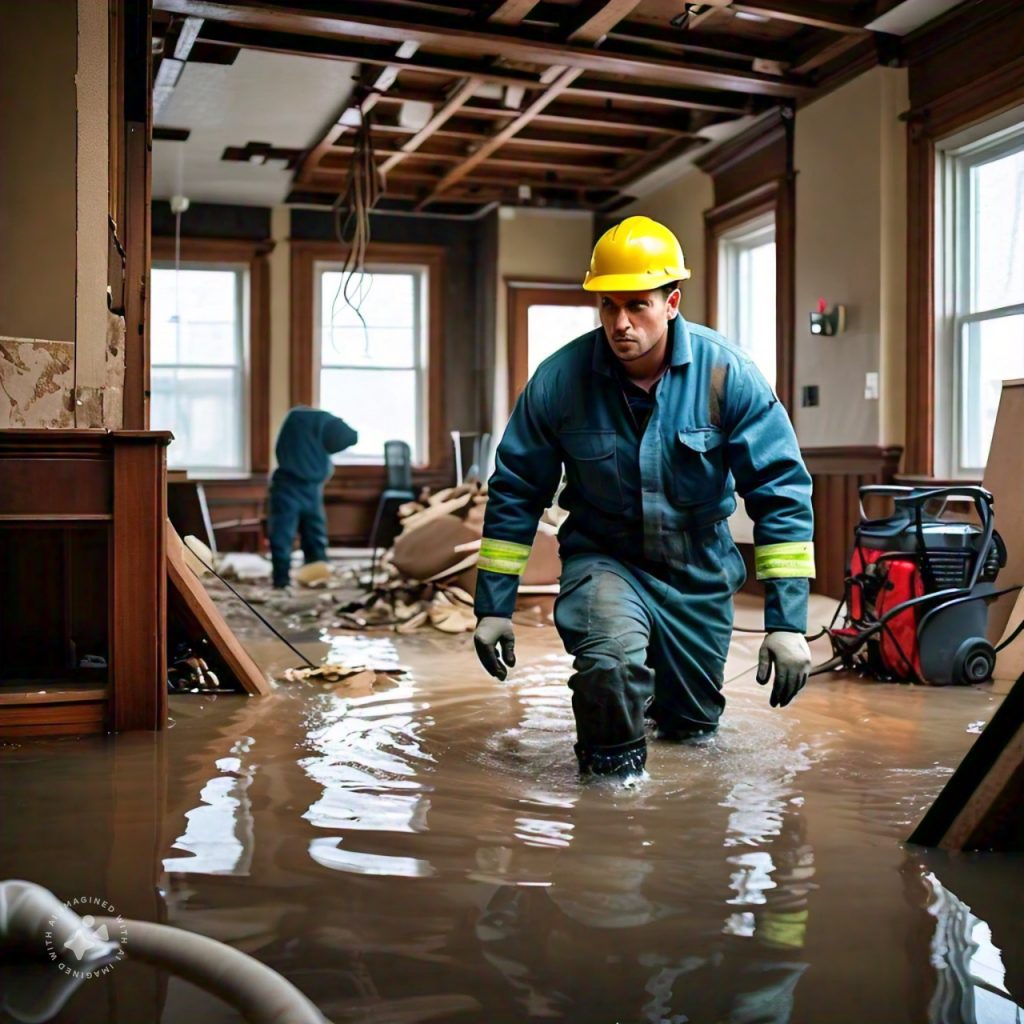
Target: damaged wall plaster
(36, 383)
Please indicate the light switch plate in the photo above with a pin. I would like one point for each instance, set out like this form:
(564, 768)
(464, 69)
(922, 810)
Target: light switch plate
(871, 385)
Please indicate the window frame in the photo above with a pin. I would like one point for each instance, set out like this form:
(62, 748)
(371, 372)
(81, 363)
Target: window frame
(743, 236)
(210, 253)
(955, 156)
(305, 368)
(774, 199)
(421, 367)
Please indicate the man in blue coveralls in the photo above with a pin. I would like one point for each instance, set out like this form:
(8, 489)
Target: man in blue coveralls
(657, 423)
(307, 440)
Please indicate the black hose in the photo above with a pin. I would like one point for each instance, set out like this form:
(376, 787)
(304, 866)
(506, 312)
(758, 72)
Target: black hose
(273, 629)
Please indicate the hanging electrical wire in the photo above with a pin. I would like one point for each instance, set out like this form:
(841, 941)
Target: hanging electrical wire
(351, 210)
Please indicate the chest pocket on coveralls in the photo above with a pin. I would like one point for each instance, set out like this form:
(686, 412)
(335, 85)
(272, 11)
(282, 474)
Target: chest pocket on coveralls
(699, 472)
(593, 467)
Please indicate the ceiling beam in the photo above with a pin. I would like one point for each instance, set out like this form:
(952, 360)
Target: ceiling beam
(569, 115)
(345, 19)
(511, 12)
(600, 20)
(802, 12)
(452, 105)
(225, 34)
(554, 90)
(822, 52)
(187, 36)
(687, 99)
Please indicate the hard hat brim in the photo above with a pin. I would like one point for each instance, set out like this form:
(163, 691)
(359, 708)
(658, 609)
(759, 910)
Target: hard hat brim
(631, 282)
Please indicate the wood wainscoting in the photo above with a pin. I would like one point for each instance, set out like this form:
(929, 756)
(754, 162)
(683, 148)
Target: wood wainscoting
(837, 475)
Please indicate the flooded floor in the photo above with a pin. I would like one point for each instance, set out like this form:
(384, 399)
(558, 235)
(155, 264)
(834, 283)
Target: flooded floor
(423, 851)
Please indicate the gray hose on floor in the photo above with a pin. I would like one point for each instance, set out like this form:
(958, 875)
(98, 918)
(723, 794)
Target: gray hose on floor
(260, 994)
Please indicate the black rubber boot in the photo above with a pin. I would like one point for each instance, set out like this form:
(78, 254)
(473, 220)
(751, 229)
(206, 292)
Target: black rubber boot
(622, 761)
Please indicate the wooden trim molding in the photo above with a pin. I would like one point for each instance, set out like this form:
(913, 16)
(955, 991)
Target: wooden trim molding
(946, 96)
(304, 255)
(254, 256)
(753, 174)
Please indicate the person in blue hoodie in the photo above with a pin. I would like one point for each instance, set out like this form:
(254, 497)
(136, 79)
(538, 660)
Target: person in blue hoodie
(307, 440)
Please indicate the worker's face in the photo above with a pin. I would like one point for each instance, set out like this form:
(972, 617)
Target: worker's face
(635, 322)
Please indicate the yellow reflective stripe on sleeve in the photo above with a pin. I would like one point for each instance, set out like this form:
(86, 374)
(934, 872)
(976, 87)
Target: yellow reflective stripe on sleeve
(503, 556)
(778, 561)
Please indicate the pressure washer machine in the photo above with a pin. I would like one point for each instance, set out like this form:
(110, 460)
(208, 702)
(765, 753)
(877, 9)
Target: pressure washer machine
(918, 585)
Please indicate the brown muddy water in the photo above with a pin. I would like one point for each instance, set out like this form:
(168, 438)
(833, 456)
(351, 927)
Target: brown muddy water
(423, 851)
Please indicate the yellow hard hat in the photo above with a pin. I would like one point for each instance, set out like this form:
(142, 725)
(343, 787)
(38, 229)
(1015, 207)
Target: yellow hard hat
(636, 255)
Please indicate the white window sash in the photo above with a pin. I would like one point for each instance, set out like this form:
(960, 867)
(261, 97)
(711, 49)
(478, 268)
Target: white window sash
(421, 320)
(956, 158)
(241, 367)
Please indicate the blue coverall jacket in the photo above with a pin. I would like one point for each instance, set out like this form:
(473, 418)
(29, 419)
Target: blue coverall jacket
(305, 443)
(717, 428)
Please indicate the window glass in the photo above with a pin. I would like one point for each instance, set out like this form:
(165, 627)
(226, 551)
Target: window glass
(371, 333)
(746, 304)
(198, 365)
(548, 328)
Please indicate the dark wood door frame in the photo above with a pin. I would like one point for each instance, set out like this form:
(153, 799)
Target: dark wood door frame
(520, 295)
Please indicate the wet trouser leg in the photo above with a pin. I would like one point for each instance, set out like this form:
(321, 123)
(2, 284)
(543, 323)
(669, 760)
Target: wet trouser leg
(313, 527)
(285, 509)
(634, 636)
(693, 618)
(605, 624)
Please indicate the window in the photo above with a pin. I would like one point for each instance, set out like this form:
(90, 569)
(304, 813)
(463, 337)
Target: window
(980, 316)
(372, 359)
(198, 374)
(746, 297)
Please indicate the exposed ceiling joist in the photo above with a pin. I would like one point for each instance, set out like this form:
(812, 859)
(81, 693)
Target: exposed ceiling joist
(803, 12)
(511, 12)
(350, 20)
(455, 102)
(187, 36)
(224, 34)
(564, 80)
(686, 99)
(599, 21)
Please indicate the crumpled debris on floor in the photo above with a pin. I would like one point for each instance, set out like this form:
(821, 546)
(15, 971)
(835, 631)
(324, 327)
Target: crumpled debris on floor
(349, 676)
(405, 607)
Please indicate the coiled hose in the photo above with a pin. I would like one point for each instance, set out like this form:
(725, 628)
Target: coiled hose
(28, 912)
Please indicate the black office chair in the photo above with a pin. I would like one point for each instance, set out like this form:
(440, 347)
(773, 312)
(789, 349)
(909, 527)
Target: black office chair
(397, 491)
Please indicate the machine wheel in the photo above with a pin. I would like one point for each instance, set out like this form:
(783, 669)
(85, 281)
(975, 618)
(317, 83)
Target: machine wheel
(974, 662)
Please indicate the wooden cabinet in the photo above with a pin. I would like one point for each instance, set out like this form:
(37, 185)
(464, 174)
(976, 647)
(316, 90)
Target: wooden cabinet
(83, 590)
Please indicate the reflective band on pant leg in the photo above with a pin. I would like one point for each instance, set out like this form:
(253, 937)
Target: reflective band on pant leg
(779, 561)
(504, 556)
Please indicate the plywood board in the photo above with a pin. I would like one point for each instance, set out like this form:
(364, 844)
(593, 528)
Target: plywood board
(189, 597)
(979, 807)
(1004, 479)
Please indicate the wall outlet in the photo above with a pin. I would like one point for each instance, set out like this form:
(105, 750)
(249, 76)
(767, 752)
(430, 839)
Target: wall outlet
(809, 395)
(871, 385)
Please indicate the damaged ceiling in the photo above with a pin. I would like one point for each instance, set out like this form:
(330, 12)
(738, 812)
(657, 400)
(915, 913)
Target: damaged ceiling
(567, 103)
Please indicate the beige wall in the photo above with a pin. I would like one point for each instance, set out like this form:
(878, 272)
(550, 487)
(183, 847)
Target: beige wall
(534, 245)
(61, 354)
(850, 249)
(38, 43)
(680, 206)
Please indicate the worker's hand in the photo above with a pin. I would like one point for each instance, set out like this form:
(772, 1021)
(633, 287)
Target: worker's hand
(791, 657)
(491, 633)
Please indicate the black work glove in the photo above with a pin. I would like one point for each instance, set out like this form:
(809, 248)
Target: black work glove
(791, 658)
(491, 633)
